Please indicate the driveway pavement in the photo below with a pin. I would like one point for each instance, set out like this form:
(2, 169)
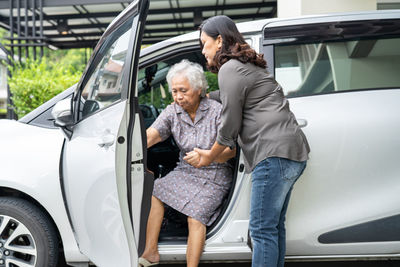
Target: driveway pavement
(388, 263)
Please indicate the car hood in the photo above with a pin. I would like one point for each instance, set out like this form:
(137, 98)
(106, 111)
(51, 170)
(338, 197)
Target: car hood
(27, 148)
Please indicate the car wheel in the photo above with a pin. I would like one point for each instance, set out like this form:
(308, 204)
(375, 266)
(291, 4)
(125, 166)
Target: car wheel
(27, 236)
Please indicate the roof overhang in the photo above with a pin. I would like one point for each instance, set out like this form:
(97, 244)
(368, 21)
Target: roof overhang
(80, 23)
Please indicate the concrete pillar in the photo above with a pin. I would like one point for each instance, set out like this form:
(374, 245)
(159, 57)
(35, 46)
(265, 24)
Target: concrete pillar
(294, 8)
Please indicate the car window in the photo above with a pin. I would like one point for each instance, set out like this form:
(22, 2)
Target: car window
(317, 68)
(153, 86)
(104, 85)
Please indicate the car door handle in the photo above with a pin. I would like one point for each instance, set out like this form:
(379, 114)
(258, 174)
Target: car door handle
(107, 140)
(302, 123)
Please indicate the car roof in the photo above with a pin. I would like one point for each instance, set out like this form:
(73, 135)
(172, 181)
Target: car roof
(255, 26)
(335, 17)
(244, 27)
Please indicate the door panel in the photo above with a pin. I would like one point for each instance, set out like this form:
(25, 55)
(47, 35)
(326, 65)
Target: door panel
(100, 188)
(351, 177)
(91, 189)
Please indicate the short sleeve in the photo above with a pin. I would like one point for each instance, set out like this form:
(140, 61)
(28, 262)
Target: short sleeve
(214, 95)
(163, 123)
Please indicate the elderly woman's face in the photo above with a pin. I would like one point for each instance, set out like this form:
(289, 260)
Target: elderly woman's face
(184, 95)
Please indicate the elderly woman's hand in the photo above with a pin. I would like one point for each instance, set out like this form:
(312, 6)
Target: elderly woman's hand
(193, 158)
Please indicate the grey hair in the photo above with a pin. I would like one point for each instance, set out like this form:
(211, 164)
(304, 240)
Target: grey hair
(192, 71)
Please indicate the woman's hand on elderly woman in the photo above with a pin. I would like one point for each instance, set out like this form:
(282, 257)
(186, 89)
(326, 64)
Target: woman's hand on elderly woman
(193, 158)
(198, 158)
(205, 157)
(218, 152)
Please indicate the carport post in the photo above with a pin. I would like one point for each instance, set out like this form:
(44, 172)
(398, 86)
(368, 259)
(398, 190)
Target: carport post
(10, 111)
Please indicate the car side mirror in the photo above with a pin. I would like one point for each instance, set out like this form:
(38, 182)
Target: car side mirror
(63, 116)
(62, 113)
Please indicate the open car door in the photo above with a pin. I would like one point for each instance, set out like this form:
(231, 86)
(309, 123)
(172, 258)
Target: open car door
(102, 167)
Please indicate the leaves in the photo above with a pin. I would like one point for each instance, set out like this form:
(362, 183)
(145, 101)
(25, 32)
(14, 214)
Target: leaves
(34, 82)
(212, 81)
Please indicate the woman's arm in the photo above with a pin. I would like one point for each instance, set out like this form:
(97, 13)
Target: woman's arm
(153, 137)
(208, 156)
(225, 155)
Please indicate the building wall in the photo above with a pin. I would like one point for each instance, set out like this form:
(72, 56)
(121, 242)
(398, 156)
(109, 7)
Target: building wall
(294, 8)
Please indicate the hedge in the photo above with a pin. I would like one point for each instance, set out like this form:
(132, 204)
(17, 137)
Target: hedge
(34, 82)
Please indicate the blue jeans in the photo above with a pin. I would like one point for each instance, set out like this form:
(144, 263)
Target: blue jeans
(272, 183)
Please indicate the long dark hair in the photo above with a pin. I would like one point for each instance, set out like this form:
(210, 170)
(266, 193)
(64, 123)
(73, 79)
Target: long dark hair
(233, 44)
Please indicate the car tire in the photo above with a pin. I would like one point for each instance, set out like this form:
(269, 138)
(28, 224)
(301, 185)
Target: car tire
(27, 236)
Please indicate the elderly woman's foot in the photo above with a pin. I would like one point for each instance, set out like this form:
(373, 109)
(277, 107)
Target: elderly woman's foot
(145, 263)
(149, 259)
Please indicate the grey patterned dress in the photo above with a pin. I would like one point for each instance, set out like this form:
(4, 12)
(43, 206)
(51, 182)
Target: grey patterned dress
(195, 192)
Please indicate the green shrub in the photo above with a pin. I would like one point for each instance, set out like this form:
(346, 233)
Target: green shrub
(34, 82)
(212, 81)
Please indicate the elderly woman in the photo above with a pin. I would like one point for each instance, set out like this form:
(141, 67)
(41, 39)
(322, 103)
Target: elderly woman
(193, 121)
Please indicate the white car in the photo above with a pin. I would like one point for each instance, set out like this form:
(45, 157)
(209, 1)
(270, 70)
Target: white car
(76, 189)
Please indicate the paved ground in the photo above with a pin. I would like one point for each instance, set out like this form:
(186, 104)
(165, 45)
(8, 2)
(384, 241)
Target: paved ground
(387, 263)
(311, 264)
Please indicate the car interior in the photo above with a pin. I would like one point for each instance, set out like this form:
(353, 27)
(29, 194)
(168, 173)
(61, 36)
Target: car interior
(162, 158)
